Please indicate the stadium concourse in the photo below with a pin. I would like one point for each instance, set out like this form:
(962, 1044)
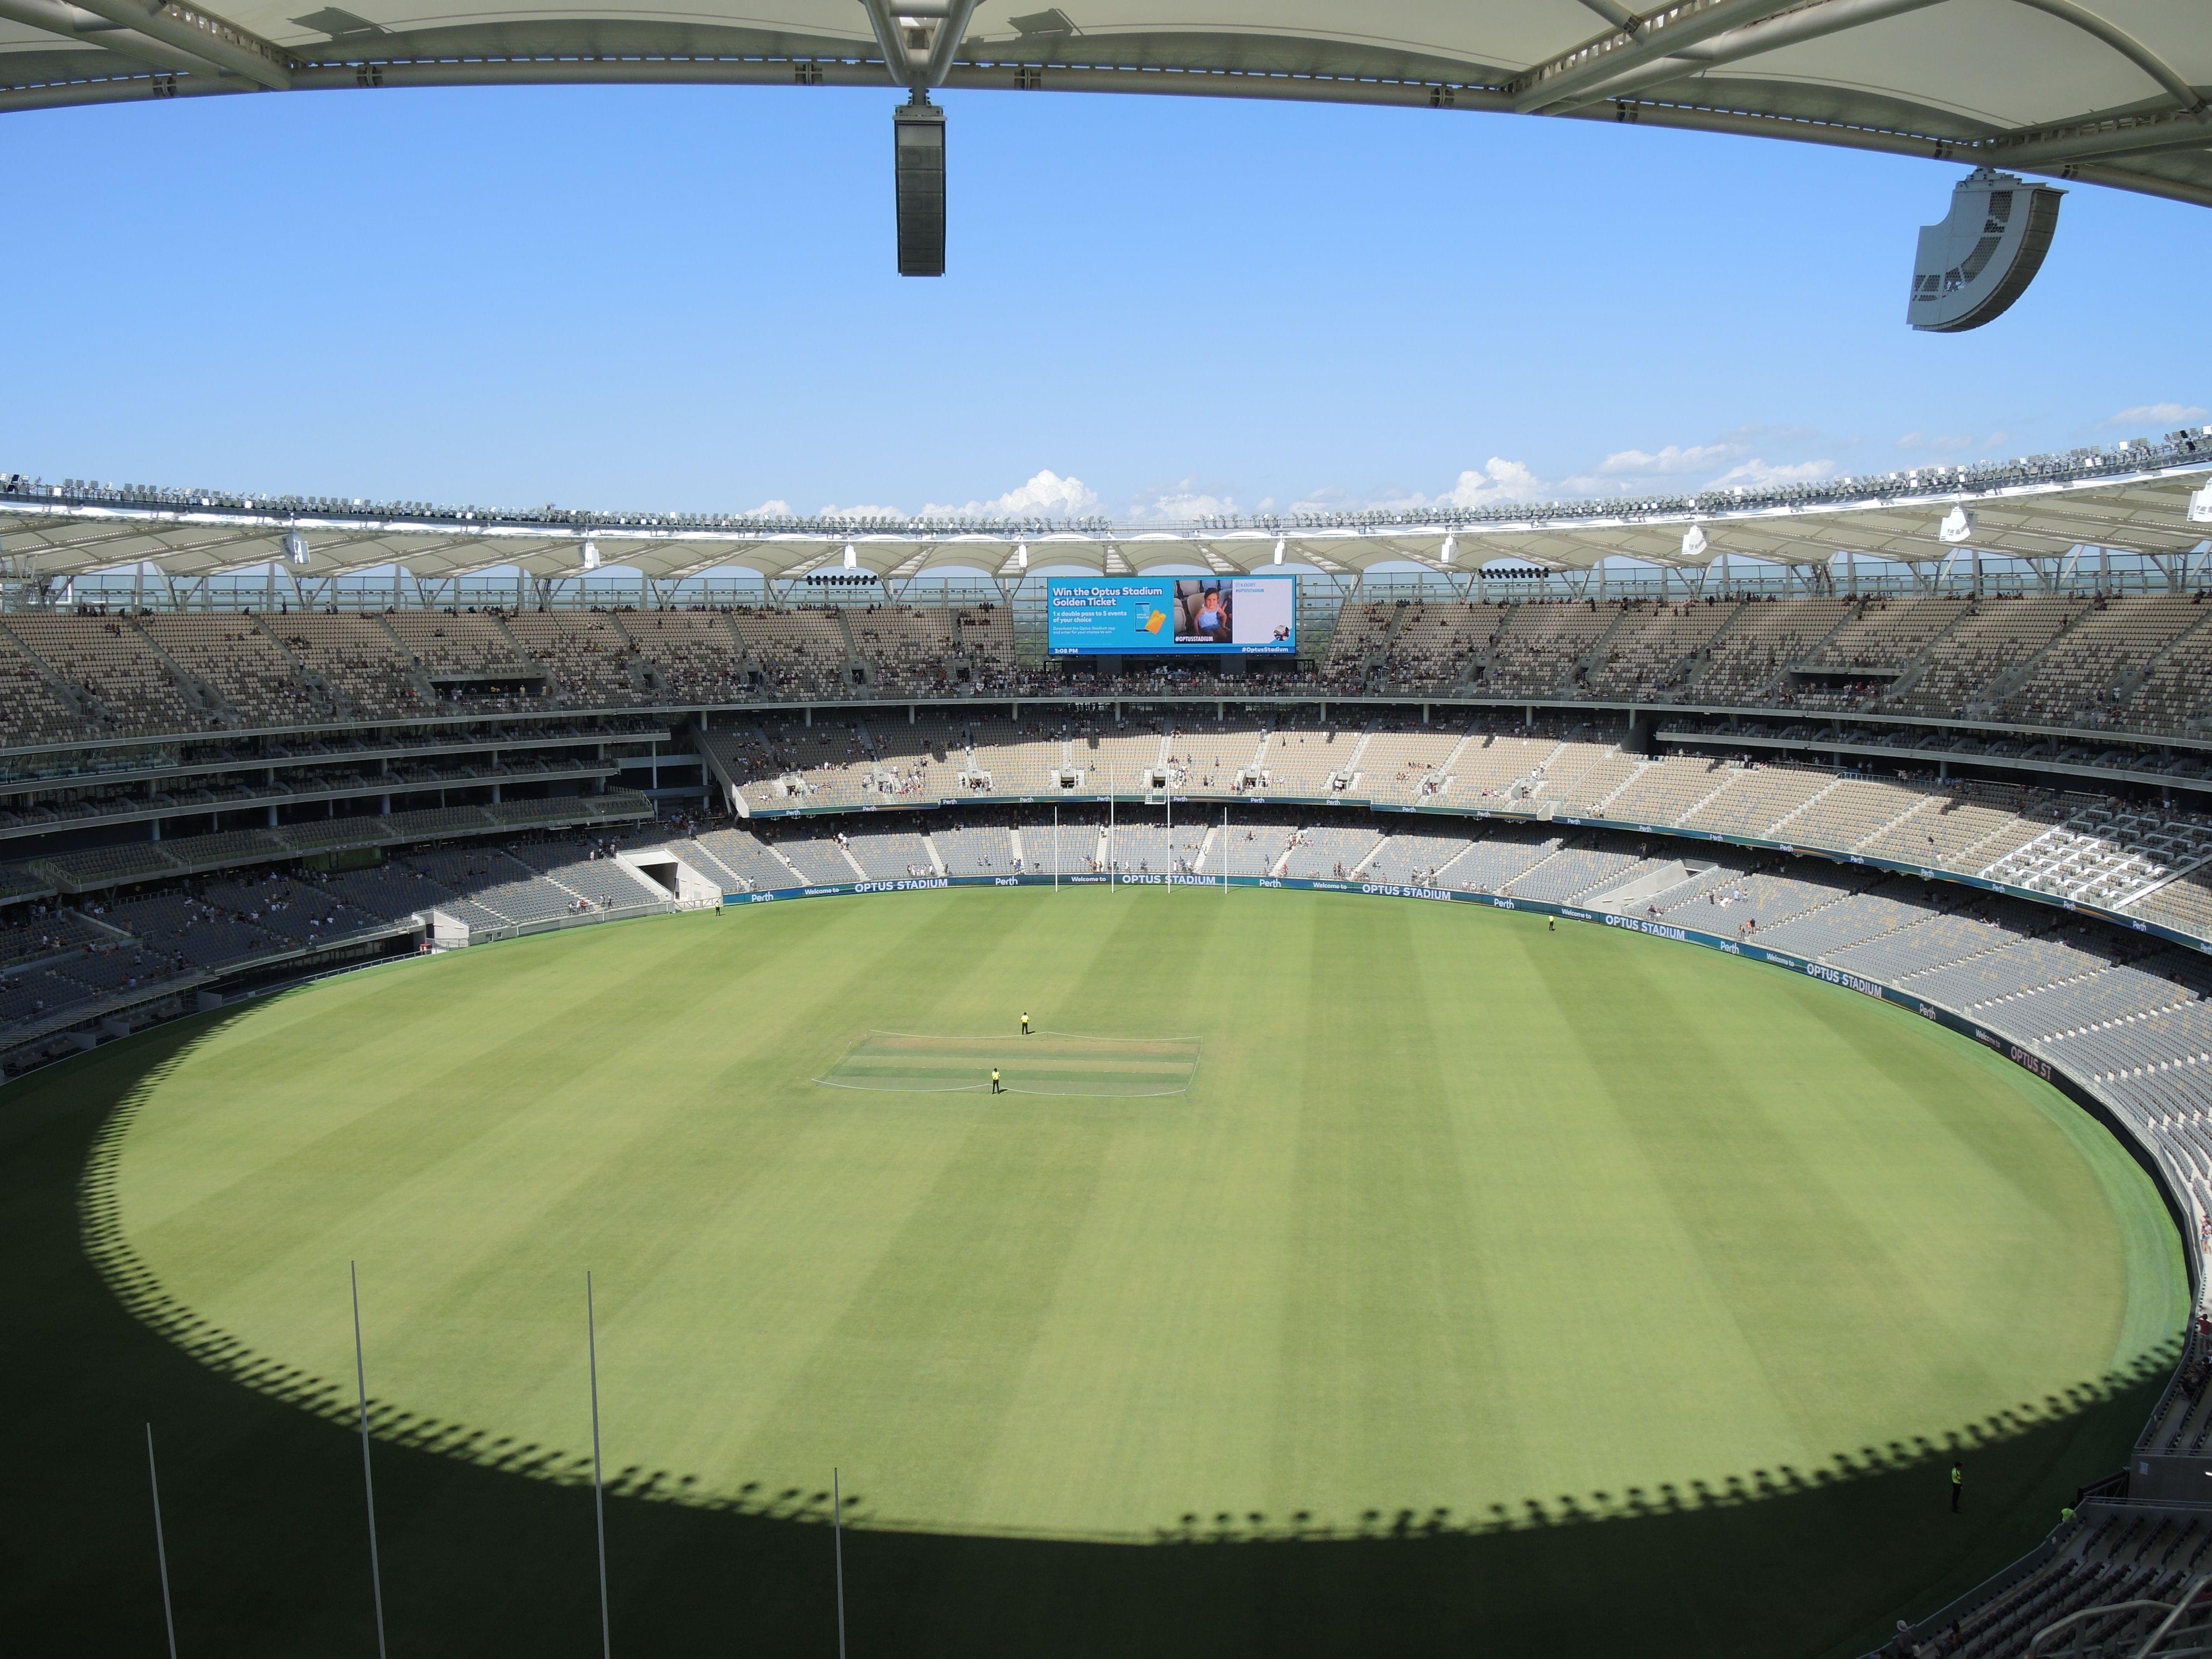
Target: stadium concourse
(1984, 793)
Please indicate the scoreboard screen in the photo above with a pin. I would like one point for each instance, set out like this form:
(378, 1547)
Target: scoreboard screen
(1171, 616)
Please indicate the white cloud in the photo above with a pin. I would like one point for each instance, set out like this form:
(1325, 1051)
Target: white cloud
(1765, 475)
(1179, 503)
(1633, 472)
(1674, 458)
(2153, 414)
(1045, 496)
(1498, 480)
(863, 511)
(778, 508)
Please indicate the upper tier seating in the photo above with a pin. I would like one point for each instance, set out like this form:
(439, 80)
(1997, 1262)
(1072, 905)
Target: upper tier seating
(986, 635)
(441, 643)
(1361, 628)
(357, 658)
(1980, 654)
(1540, 645)
(125, 686)
(2139, 662)
(804, 652)
(908, 649)
(1656, 651)
(690, 656)
(1753, 652)
(593, 664)
(245, 667)
(2085, 678)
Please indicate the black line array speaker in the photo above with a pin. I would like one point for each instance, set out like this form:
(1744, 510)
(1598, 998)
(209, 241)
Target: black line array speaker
(918, 135)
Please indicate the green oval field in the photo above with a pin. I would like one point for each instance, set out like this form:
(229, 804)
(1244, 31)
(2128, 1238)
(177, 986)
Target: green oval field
(1452, 1215)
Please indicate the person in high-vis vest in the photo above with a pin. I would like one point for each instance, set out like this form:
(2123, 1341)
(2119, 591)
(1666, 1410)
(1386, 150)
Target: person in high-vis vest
(996, 1090)
(1958, 1481)
(1026, 1025)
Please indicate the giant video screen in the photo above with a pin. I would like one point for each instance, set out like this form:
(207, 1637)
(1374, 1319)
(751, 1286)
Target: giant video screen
(1171, 616)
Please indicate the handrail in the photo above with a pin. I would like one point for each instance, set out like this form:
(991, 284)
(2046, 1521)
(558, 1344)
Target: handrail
(2035, 1643)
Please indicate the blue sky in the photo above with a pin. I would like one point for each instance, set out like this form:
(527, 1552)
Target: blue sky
(683, 299)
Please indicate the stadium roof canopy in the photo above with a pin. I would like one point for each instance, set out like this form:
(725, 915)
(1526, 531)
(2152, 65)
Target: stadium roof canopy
(2108, 91)
(2153, 499)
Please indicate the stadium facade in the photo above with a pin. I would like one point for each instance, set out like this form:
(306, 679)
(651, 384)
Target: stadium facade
(1943, 738)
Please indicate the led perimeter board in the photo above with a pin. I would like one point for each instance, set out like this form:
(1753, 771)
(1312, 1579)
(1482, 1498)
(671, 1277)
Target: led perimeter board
(1171, 616)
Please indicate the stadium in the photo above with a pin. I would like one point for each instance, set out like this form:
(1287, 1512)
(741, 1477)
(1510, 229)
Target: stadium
(1629, 1072)
(1567, 1074)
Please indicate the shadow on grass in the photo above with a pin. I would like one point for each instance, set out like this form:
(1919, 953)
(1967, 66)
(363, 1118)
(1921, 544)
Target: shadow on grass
(488, 1543)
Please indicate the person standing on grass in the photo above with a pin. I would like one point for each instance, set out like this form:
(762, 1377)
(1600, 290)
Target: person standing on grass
(1026, 1025)
(996, 1090)
(1958, 1482)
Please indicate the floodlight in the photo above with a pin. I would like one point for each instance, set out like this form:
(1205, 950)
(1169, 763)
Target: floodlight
(1958, 526)
(2200, 506)
(1695, 543)
(295, 547)
(591, 554)
(1969, 269)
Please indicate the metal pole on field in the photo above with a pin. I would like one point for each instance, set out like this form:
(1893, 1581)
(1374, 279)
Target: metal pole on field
(598, 1488)
(837, 1537)
(1055, 847)
(160, 1545)
(367, 1479)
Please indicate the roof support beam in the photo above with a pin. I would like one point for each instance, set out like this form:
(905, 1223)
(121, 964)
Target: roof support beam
(1810, 22)
(1748, 40)
(1892, 143)
(897, 64)
(949, 36)
(2183, 95)
(189, 29)
(1656, 35)
(76, 23)
(918, 73)
(2093, 140)
(1614, 13)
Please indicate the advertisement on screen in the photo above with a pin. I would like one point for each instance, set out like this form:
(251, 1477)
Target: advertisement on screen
(1171, 616)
